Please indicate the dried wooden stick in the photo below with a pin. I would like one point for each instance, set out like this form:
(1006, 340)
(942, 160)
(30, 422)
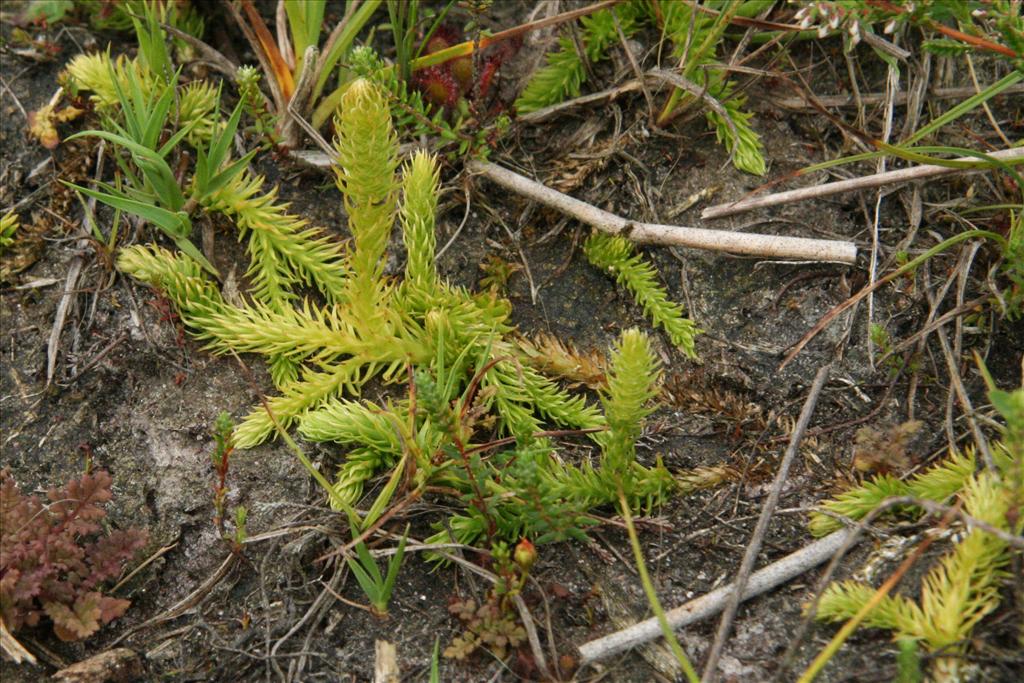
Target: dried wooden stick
(801, 103)
(12, 648)
(550, 111)
(385, 664)
(770, 246)
(74, 270)
(965, 401)
(756, 541)
(66, 299)
(209, 54)
(761, 581)
(875, 180)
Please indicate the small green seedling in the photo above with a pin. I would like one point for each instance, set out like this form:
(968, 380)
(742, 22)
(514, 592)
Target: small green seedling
(8, 226)
(376, 586)
(435, 662)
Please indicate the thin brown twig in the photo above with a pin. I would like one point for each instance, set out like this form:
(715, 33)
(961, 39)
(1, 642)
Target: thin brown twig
(921, 172)
(145, 563)
(965, 401)
(757, 539)
(210, 54)
(373, 528)
(827, 319)
(901, 98)
(551, 111)
(636, 69)
(17, 102)
(544, 23)
(931, 326)
(330, 588)
(97, 358)
(185, 604)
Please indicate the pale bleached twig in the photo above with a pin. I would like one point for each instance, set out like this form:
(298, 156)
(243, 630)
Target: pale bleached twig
(74, 270)
(385, 664)
(757, 539)
(12, 648)
(66, 299)
(300, 99)
(1015, 154)
(761, 581)
(965, 401)
(804, 103)
(770, 246)
(209, 54)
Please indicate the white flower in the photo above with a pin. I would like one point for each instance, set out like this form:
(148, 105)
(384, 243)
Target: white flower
(855, 32)
(890, 27)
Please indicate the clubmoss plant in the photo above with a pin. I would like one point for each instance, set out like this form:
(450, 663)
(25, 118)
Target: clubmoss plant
(964, 586)
(475, 419)
(565, 71)
(956, 594)
(695, 37)
(371, 326)
(616, 255)
(92, 73)
(938, 483)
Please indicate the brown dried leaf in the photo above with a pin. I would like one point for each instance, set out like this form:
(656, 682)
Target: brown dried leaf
(42, 124)
(552, 356)
(881, 451)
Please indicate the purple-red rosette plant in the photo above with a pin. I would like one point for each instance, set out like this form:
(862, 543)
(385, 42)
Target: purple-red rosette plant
(55, 558)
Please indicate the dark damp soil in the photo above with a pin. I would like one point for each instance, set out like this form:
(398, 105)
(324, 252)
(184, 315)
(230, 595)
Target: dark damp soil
(138, 397)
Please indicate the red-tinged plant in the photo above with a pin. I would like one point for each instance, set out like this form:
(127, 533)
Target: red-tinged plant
(443, 84)
(438, 86)
(54, 558)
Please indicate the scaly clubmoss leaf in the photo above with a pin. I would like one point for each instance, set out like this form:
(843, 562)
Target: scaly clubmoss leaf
(856, 503)
(615, 255)
(367, 157)
(420, 185)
